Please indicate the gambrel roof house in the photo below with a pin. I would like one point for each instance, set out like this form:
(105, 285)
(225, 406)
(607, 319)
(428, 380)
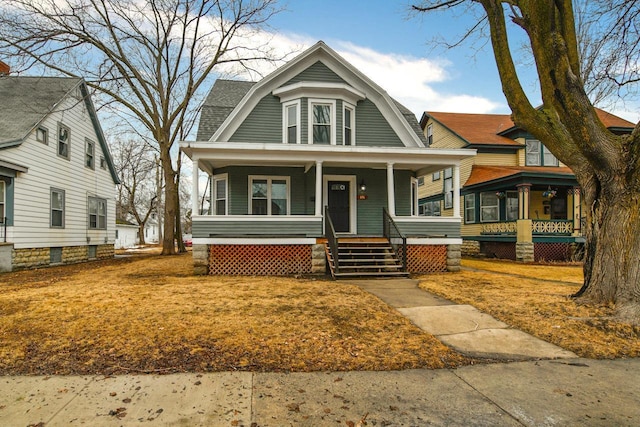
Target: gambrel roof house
(57, 178)
(515, 193)
(315, 162)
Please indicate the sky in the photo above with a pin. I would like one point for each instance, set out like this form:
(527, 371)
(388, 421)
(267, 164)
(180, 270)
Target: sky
(397, 49)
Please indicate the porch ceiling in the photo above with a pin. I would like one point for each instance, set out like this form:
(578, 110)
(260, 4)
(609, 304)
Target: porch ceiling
(421, 160)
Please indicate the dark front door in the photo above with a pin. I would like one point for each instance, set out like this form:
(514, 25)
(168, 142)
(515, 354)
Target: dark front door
(558, 208)
(339, 208)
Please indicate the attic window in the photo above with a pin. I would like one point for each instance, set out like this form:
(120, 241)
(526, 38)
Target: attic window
(429, 135)
(103, 163)
(63, 141)
(42, 135)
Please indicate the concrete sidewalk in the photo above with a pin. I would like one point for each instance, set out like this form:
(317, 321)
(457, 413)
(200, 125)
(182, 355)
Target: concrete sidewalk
(462, 327)
(578, 392)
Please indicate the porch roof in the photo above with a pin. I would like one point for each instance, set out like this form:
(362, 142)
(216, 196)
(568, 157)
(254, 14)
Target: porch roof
(484, 175)
(214, 155)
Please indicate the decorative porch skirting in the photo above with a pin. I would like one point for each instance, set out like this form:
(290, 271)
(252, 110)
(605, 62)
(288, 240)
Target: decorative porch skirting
(560, 251)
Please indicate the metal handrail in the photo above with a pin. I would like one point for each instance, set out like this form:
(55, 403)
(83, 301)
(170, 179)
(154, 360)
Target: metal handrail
(332, 239)
(392, 232)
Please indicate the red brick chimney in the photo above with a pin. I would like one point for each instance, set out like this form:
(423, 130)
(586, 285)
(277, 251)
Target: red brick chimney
(4, 69)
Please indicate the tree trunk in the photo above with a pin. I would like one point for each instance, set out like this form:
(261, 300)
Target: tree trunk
(612, 257)
(141, 240)
(170, 203)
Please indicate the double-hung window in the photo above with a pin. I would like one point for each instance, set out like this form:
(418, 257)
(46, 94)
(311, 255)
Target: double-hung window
(489, 207)
(470, 208)
(429, 135)
(2, 201)
(349, 120)
(269, 195)
(89, 153)
(57, 208)
(322, 118)
(512, 205)
(220, 194)
(64, 140)
(291, 130)
(448, 188)
(97, 213)
(536, 154)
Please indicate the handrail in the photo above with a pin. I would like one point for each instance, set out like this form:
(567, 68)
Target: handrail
(332, 239)
(392, 232)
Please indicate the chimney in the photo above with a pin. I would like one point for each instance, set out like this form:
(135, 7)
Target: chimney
(4, 69)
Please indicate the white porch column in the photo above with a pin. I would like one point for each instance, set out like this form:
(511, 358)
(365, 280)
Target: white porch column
(318, 188)
(456, 191)
(391, 191)
(195, 188)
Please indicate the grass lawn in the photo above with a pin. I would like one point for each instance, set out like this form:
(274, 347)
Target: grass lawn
(149, 314)
(535, 299)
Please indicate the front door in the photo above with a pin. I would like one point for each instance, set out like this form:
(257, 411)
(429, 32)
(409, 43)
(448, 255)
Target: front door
(338, 200)
(558, 208)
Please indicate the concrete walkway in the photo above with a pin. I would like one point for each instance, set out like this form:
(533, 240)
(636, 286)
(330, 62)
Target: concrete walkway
(577, 392)
(462, 327)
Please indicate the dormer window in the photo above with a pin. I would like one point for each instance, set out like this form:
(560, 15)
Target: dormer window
(538, 155)
(291, 123)
(322, 119)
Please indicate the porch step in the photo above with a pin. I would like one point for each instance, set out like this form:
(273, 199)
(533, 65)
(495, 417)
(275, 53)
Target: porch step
(357, 258)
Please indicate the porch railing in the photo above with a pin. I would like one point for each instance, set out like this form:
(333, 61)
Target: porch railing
(553, 226)
(332, 239)
(397, 240)
(509, 227)
(3, 229)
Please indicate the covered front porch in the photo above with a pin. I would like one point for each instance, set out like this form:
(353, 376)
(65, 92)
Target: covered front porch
(271, 201)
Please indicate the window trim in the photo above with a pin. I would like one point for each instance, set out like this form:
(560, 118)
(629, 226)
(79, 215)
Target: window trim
(513, 195)
(45, 132)
(435, 176)
(89, 156)
(482, 206)
(97, 199)
(542, 150)
(285, 121)
(429, 134)
(214, 198)
(471, 197)
(269, 179)
(445, 179)
(432, 204)
(64, 200)
(352, 125)
(332, 125)
(103, 163)
(68, 143)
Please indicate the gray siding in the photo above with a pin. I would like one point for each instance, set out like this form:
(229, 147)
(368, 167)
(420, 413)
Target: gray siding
(429, 229)
(233, 228)
(318, 72)
(372, 128)
(264, 123)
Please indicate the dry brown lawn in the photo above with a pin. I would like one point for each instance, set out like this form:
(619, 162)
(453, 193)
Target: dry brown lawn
(149, 314)
(536, 299)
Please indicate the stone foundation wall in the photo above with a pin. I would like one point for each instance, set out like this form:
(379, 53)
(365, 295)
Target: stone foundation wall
(40, 257)
(454, 255)
(470, 248)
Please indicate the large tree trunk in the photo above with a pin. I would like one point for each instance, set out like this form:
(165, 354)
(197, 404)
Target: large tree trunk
(612, 257)
(141, 240)
(170, 202)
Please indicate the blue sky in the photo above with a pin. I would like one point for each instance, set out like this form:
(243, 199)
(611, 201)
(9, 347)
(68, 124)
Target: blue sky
(396, 48)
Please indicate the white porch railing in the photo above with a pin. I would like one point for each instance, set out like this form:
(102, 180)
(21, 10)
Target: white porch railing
(499, 228)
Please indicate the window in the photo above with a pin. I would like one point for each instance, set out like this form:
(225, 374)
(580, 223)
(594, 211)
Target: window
(489, 207)
(57, 208)
(429, 135)
(220, 195)
(322, 119)
(269, 195)
(512, 205)
(103, 163)
(448, 188)
(55, 255)
(537, 154)
(89, 154)
(470, 208)
(436, 176)
(92, 251)
(430, 208)
(97, 213)
(421, 181)
(349, 114)
(42, 135)
(63, 141)
(2, 202)
(291, 122)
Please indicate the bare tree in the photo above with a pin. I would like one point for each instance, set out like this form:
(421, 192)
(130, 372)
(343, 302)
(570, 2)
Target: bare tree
(137, 192)
(606, 165)
(148, 60)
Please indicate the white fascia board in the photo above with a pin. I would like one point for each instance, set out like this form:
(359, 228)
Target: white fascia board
(434, 241)
(319, 90)
(254, 241)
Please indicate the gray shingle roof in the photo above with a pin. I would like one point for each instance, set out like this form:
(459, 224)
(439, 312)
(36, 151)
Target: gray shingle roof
(412, 120)
(25, 101)
(223, 98)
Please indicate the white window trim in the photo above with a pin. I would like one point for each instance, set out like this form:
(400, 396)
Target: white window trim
(466, 208)
(414, 197)
(321, 101)
(285, 124)
(214, 179)
(482, 206)
(97, 227)
(60, 127)
(64, 201)
(347, 106)
(269, 178)
(87, 143)
(429, 134)
(444, 189)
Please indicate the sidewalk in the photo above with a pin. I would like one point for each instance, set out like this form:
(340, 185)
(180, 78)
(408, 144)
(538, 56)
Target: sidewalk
(578, 392)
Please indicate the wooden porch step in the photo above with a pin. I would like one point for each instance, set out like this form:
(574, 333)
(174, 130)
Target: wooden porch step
(361, 260)
(366, 273)
(369, 267)
(364, 248)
